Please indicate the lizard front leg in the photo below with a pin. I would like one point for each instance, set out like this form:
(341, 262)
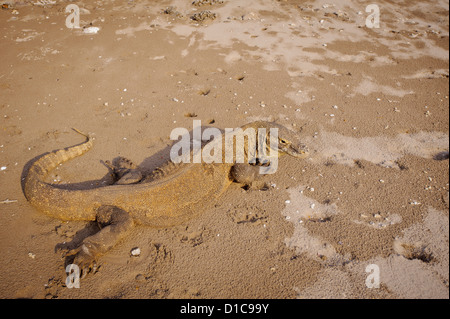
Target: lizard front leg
(114, 223)
(247, 175)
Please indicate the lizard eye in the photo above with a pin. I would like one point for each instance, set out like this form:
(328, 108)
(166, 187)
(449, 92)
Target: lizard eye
(283, 141)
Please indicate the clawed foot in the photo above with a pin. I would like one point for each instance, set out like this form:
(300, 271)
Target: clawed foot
(256, 186)
(124, 171)
(85, 259)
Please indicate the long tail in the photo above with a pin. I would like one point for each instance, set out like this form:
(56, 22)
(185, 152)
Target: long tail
(54, 201)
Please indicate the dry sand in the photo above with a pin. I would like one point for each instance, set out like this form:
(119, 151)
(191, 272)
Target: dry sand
(371, 103)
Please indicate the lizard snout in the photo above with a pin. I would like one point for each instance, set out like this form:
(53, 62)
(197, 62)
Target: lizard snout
(299, 151)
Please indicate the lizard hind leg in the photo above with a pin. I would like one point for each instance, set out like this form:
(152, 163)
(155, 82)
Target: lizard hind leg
(125, 171)
(114, 223)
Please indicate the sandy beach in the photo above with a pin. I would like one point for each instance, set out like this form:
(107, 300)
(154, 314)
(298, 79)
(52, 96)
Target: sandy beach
(364, 83)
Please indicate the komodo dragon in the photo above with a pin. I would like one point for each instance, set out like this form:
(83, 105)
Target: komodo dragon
(168, 196)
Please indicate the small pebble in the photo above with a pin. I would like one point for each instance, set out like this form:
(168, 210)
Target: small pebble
(91, 30)
(136, 252)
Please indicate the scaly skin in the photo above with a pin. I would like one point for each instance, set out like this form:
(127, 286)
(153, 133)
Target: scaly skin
(166, 200)
(161, 203)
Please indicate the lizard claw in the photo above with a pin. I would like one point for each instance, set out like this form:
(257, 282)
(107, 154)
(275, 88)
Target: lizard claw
(69, 252)
(84, 259)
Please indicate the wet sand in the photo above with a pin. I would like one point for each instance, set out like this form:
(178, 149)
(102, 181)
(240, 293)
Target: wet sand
(371, 104)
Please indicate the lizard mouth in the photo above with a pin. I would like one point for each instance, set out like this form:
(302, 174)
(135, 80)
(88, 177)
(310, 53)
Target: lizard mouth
(299, 152)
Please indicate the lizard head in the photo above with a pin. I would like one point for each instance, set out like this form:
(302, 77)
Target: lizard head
(296, 149)
(288, 141)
